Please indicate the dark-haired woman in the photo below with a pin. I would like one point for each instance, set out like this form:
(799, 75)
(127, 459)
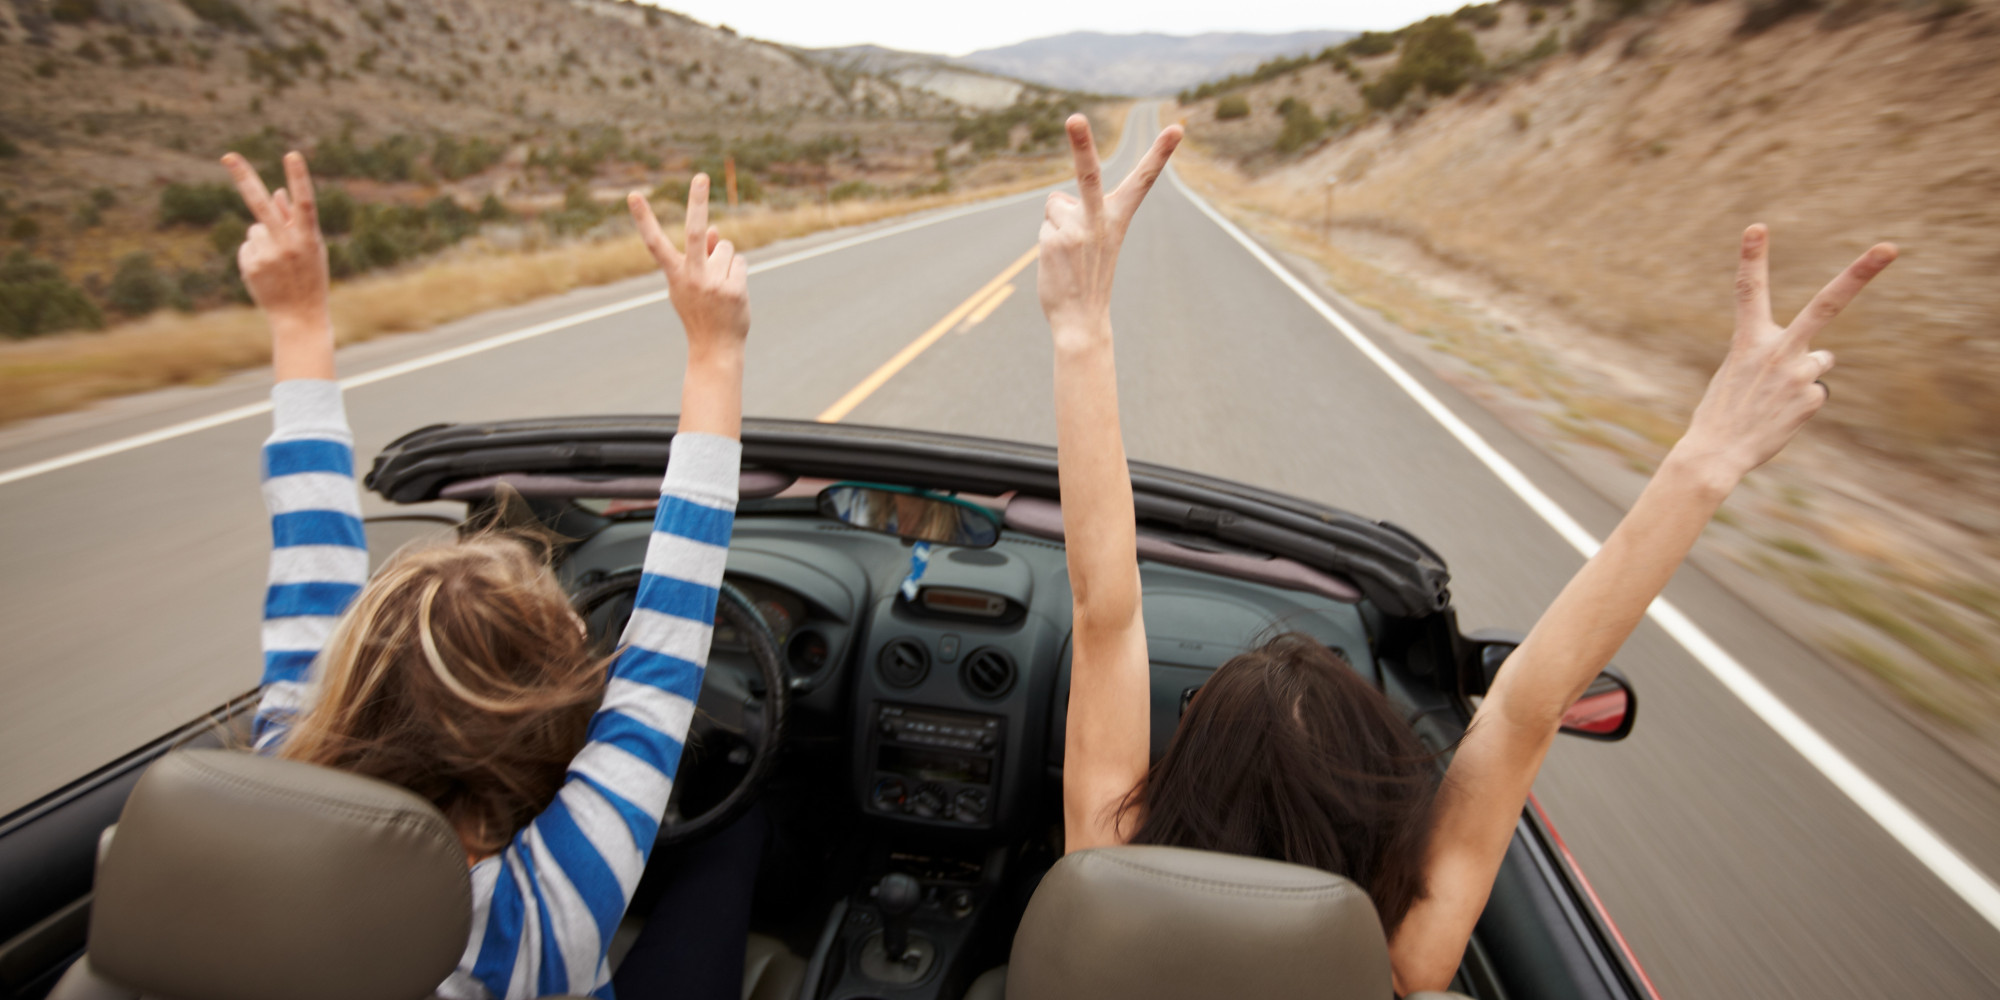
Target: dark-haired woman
(1287, 753)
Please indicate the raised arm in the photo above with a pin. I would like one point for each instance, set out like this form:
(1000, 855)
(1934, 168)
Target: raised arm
(1106, 745)
(1765, 391)
(602, 826)
(319, 559)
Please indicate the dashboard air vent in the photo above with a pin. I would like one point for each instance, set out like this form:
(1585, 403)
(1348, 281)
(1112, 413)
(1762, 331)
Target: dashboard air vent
(904, 663)
(988, 673)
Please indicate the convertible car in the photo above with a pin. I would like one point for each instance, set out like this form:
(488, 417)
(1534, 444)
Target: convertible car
(889, 680)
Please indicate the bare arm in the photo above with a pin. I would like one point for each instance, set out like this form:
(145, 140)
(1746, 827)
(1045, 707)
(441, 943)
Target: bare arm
(1106, 744)
(1764, 392)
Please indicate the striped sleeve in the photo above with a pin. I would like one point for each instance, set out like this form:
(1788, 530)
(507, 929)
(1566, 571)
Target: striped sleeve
(319, 559)
(560, 889)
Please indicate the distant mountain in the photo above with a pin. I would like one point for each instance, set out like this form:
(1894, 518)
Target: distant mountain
(1144, 64)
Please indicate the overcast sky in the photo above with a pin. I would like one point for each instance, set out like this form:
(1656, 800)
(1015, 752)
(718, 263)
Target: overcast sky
(955, 27)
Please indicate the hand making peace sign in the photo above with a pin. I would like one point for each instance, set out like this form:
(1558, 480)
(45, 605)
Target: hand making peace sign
(709, 283)
(1768, 386)
(283, 262)
(1081, 233)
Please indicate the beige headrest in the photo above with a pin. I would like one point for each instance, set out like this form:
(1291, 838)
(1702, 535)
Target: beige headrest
(1164, 923)
(239, 877)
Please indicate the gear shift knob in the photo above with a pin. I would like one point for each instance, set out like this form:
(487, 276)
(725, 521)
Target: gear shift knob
(897, 896)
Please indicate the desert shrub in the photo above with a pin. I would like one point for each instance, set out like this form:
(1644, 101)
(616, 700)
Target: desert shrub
(103, 197)
(1336, 118)
(1763, 15)
(1286, 105)
(1438, 56)
(673, 191)
(137, 287)
(73, 11)
(1231, 108)
(492, 209)
(190, 286)
(198, 204)
(850, 190)
(23, 229)
(1550, 44)
(8, 148)
(1268, 70)
(336, 210)
(391, 159)
(35, 299)
(46, 69)
(454, 159)
(269, 66)
(228, 232)
(1371, 43)
(89, 51)
(992, 130)
(1302, 128)
(1480, 16)
(222, 14)
(387, 235)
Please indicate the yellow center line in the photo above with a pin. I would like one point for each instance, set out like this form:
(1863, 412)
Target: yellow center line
(908, 354)
(986, 308)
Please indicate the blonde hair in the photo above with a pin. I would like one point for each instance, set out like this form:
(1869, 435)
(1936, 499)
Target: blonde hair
(460, 673)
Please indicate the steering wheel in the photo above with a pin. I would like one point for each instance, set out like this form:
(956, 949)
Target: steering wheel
(738, 723)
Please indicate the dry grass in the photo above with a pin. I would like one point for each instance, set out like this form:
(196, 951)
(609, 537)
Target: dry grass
(54, 374)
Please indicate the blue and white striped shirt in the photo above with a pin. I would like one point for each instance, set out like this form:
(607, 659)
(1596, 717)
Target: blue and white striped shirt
(545, 907)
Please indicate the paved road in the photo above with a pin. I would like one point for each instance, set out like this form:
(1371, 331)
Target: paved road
(131, 583)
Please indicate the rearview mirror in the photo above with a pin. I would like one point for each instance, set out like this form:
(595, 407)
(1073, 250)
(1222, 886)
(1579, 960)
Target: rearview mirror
(910, 514)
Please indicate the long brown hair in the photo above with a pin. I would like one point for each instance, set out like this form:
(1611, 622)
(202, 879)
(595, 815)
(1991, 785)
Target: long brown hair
(1288, 753)
(461, 674)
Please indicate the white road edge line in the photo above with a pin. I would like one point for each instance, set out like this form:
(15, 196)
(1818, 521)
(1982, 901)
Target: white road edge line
(481, 346)
(1914, 834)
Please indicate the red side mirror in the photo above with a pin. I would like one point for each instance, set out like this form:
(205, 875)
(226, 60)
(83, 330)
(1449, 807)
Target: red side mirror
(1605, 712)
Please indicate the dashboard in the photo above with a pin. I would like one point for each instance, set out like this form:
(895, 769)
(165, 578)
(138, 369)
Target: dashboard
(952, 703)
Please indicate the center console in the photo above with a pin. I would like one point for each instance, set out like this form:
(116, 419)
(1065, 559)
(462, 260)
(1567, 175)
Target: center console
(935, 765)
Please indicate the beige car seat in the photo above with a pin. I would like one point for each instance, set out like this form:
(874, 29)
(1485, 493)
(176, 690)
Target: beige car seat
(232, 876)
(1166, 923)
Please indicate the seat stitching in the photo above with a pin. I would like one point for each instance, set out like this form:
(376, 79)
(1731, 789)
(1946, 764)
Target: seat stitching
(1234, 887)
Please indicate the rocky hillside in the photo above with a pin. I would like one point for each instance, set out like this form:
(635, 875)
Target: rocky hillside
(932, 75)
(428, 120)
(1589, 168)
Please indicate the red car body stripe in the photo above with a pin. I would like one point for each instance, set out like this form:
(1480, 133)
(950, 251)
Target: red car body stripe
(1595, 902)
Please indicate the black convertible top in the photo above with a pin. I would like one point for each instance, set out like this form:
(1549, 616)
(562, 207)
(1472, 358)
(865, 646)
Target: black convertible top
(1395, 570)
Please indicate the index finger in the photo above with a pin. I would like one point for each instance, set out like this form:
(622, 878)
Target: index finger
(251, 187)
(299, 184)
(1089, 172)
(1839, 292)
(1133, 189)
(649, 232)
(697, 217)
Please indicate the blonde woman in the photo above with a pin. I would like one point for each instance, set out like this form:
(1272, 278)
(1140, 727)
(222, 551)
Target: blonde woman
(459, 671)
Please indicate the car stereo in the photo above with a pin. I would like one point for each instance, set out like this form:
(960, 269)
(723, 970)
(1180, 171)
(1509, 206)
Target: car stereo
(935, 765)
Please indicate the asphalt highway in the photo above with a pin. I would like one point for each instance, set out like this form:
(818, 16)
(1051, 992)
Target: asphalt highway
(130, 582)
